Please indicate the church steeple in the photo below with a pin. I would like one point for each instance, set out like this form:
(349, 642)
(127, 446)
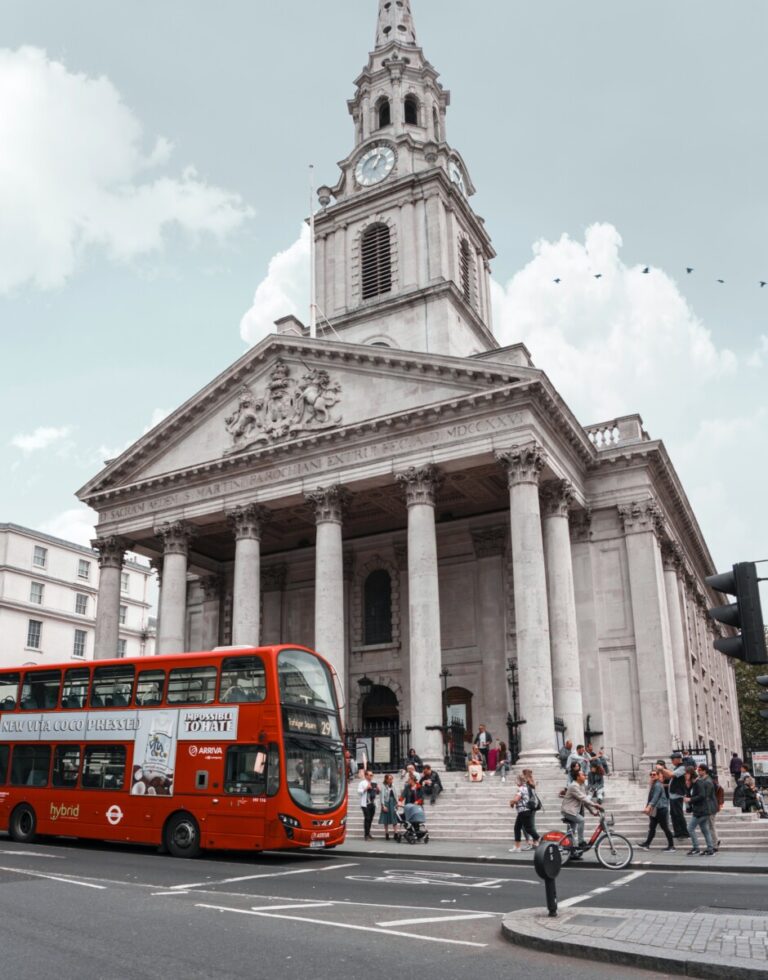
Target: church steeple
(401, 258)
(395, 23)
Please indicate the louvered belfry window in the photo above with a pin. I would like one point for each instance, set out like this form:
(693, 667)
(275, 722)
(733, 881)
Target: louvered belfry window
(376, 261)
(465, 264)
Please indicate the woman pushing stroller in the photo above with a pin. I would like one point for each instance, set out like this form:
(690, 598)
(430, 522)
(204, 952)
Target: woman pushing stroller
(413, 823)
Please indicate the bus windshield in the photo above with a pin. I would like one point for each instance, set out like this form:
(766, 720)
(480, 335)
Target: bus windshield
(304, 679)
(315, 773)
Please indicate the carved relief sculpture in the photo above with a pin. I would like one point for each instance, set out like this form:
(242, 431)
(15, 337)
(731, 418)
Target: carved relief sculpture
(287, 407)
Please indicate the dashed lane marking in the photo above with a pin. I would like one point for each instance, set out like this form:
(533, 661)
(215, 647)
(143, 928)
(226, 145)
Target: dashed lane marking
(67, 881)
(601, 891)
(272, 874)
(436, 918)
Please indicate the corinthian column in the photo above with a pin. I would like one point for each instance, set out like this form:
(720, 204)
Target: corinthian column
(111, 552)
(173, 595)
(642, 524)
(489, 554)
(420, 484)
(523, 465)
(556, 498)
(673, 561)
(247, 524)
(212, 586)
(330, 505)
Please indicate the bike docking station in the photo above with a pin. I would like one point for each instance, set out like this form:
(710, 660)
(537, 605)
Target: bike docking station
(547, 862)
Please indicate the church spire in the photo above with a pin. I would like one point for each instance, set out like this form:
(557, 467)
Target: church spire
(395, 23)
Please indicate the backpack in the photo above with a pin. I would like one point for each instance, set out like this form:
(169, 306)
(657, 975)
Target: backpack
(534, 803)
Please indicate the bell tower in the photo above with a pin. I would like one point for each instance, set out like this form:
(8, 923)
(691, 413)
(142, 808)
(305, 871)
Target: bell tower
(401, 257)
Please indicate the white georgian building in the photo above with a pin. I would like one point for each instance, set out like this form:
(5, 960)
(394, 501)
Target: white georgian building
(48, 601)
(406, 496)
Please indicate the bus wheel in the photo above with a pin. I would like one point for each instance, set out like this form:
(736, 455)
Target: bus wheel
(182, 836)
(23, 824)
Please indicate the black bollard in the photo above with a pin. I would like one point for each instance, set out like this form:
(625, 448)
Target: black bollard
(547, 861)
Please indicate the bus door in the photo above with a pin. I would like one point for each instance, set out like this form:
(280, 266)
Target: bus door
(238, 807)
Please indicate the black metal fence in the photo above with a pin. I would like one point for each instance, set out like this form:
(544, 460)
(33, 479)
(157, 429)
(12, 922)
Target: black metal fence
(383, 746)
(706, 754)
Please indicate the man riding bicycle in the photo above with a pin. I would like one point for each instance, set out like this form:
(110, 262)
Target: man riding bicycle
(572, 808)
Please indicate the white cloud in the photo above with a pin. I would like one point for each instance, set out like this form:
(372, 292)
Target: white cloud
(634, 332)
(74, 173)
(75, 525)
(759, 356)
(284, 290)
(104, 453)
(41, 438)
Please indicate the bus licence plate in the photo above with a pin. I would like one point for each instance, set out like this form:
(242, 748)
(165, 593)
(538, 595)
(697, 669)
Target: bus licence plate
(317, 843)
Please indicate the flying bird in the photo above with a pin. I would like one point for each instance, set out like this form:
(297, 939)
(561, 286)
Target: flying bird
(689, 269)
(721, 280)
(599, 275)
(557, 281)
(646, 270)
(763, 283)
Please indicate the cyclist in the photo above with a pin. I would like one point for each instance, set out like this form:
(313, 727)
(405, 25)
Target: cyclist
(572, 808)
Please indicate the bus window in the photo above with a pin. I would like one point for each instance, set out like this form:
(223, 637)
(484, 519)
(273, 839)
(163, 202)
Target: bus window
(66, 765)
(246, 772)
(30, 764)
(104, 767)
(149, 688)
(40, 691)
(304, 679)
(75, 691)
(273, 770)
(9, 690)
(112, 686)
(4, 753)
(192, 685)
(242, 679)
(315, 772)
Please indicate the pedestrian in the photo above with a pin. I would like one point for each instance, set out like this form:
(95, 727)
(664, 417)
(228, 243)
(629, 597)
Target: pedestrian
(720, 800)
(657, 808)
(564, 753)
(603, 760)
(475, 765)
(572, 809)
(368, 791)
(534, 803)
(735, 765)
(524, 805)
(676, 788)
(431, 784)
(412, 792)
(596, 781)
(388, 812)
(703, 805)
(504, 762)
(483, 741)
(414, 760)
(574, 767)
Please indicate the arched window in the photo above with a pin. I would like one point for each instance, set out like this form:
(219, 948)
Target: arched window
(411, 110)
(380, 707)
(377, 608)
(457, 706)
(385, 113)
(376, 261)
(465, 270)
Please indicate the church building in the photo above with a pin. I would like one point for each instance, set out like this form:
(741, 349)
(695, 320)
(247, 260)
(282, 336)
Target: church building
(412, 500)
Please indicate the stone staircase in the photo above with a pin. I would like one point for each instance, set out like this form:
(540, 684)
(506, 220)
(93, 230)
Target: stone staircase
(481, 811)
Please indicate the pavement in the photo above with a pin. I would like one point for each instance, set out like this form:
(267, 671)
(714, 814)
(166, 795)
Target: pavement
(735, 861)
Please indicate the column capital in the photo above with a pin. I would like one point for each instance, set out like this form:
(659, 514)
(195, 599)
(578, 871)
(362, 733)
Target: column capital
(489, 542)
(176, 536)
(581, 524)
(640, 516)
(111, 551)
(671, 556)
(523, 463)
(330, 503)
(249, 522)
(420, 483)
(156, 564)
(273, 578)
(212, 586)
(556, 498)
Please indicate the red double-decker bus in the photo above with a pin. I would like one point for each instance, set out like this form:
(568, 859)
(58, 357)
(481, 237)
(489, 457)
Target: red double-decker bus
(237, 748)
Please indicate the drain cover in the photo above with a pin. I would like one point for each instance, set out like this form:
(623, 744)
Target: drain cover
(725, 910)
(599, 921)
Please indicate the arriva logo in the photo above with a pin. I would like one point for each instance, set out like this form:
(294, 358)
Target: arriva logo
(207, 751)
(63, 812)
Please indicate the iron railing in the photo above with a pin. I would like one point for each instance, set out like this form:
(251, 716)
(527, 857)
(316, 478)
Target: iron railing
(384, 745)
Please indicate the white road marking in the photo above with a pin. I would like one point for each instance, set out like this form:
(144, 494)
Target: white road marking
(33, 854)
(298, 905)
(601, 891)
(155, 894)
(272, 874)
(401, 876)
(67, 881)
(343, 925)
(436, 918)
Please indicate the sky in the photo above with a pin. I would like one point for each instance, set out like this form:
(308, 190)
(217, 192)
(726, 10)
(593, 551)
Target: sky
(153, 191)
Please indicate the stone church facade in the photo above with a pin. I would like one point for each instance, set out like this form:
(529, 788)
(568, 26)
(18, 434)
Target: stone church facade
(417, 503)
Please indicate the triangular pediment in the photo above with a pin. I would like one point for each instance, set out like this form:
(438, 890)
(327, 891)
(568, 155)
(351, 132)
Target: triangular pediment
(288, 389)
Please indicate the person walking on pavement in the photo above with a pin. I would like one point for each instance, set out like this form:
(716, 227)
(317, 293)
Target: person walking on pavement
(657, 809)
(368, 791)
(703, 804)
(388, 812)
(677, 792)
(524, 805)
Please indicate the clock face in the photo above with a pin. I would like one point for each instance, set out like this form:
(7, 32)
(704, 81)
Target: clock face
(458, 177)
(374, 165)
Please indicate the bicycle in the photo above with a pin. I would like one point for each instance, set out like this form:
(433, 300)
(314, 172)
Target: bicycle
(612, 850)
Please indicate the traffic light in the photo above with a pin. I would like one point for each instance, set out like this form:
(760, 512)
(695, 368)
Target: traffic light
(745, 614)
(763, 695)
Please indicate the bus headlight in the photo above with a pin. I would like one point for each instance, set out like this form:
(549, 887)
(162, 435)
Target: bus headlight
(288, 821)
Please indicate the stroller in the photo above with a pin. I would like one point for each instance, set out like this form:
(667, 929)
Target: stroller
(411, 824)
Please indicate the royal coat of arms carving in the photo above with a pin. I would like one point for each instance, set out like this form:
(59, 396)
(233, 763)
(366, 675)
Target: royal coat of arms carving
(287, 408)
